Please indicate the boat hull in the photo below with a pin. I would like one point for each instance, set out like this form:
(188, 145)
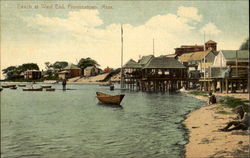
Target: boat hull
(32, 89)
(109, 99)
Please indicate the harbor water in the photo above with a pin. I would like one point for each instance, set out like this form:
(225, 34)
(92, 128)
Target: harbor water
(72, 124)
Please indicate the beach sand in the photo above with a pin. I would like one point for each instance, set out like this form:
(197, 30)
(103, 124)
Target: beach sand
(88, 80)
(205, 140)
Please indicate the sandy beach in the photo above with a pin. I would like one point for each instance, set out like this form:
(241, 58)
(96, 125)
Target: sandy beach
(88, 80)
(205, 140)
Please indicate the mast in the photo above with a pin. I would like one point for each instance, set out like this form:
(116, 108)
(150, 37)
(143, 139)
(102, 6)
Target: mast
(204, 56)
(153, 46)
(121, 82)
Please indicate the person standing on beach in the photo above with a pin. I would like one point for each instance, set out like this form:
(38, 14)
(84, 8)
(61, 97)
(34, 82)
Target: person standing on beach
(64, 82)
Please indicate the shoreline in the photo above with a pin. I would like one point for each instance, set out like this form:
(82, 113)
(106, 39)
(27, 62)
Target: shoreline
(203, 137)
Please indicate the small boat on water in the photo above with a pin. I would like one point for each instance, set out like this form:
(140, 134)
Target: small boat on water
(109, 99)
(21, 85)
(14, 87)
(1, 89)
(45, 86)
(50, 89)
(8, 86)
(32, 89)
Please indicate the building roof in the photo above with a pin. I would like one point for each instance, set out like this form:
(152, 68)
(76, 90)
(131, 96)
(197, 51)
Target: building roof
(185, 57)
(145, 59)
(63, 72)
(71, 67)
(131, 64)
(165, 63)
(210, 41)
(171, 55)
(199, 55)
(232, 54)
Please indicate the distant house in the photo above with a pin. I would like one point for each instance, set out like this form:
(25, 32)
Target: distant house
(234, 61)
(73, 70)
(32, 74)
(91, 71)
(198, 62)
(64, 74)
(107, 69)
(188, 48)
(132, 69)
(196, 48)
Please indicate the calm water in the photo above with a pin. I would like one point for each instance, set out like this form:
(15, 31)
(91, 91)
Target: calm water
(72, 124)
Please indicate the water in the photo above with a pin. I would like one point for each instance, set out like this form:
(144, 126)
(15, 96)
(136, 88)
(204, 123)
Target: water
(72, 124)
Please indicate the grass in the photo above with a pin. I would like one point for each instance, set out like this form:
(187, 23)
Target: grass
(232, 102)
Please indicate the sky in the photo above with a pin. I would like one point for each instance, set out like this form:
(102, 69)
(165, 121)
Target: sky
(50, 31)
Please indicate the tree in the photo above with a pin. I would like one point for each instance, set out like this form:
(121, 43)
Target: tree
(59, 65)
(83, 63)
(10, 71)
(28, 66)
(244, 45)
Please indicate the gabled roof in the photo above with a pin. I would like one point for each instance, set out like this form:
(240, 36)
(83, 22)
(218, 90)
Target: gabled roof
(145, 59)
(164, 63)
(131, 64)
(232, 54)
(71, 67)
(185, 57)
(210, 41)
(199, 55)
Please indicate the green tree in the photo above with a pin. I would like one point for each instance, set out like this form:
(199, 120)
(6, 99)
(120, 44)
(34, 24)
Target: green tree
(28, 66)
(83, 63)
(59, 65)
(10, 71)
(245, 45)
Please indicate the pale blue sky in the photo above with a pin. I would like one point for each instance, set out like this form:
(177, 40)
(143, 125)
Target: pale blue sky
(25, 37)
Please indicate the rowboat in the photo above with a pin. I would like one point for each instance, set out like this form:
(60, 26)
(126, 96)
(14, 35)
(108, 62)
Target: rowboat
(109, 99)
(32, 89)
(8, 86)
(21, 85)
(44, 86)
(50, 89)
(14, 87)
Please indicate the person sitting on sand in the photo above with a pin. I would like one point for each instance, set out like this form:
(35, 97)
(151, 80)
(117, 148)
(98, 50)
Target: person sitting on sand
(242, 124)
(211, 98)
(239, 110)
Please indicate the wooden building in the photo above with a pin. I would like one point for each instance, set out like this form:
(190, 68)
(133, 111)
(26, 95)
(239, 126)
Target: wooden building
(32, 74)
(132, 75)
(211, 44)
(73, 70)
(64, 74)
(163, 74)
(91, 71)
(228, 72)
(188, 49)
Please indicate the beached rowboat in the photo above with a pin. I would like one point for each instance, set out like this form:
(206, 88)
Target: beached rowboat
(21, 85)
(32, 89)
(109, 99)
(8, 86)
(50, 89)
(44, 86)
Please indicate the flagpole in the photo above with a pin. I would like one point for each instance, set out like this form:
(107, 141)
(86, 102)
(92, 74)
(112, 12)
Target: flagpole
(121, 81)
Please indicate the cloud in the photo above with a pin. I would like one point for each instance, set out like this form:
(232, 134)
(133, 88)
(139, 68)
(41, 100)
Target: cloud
(210, 28)
(83, 36)
(189, 13)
